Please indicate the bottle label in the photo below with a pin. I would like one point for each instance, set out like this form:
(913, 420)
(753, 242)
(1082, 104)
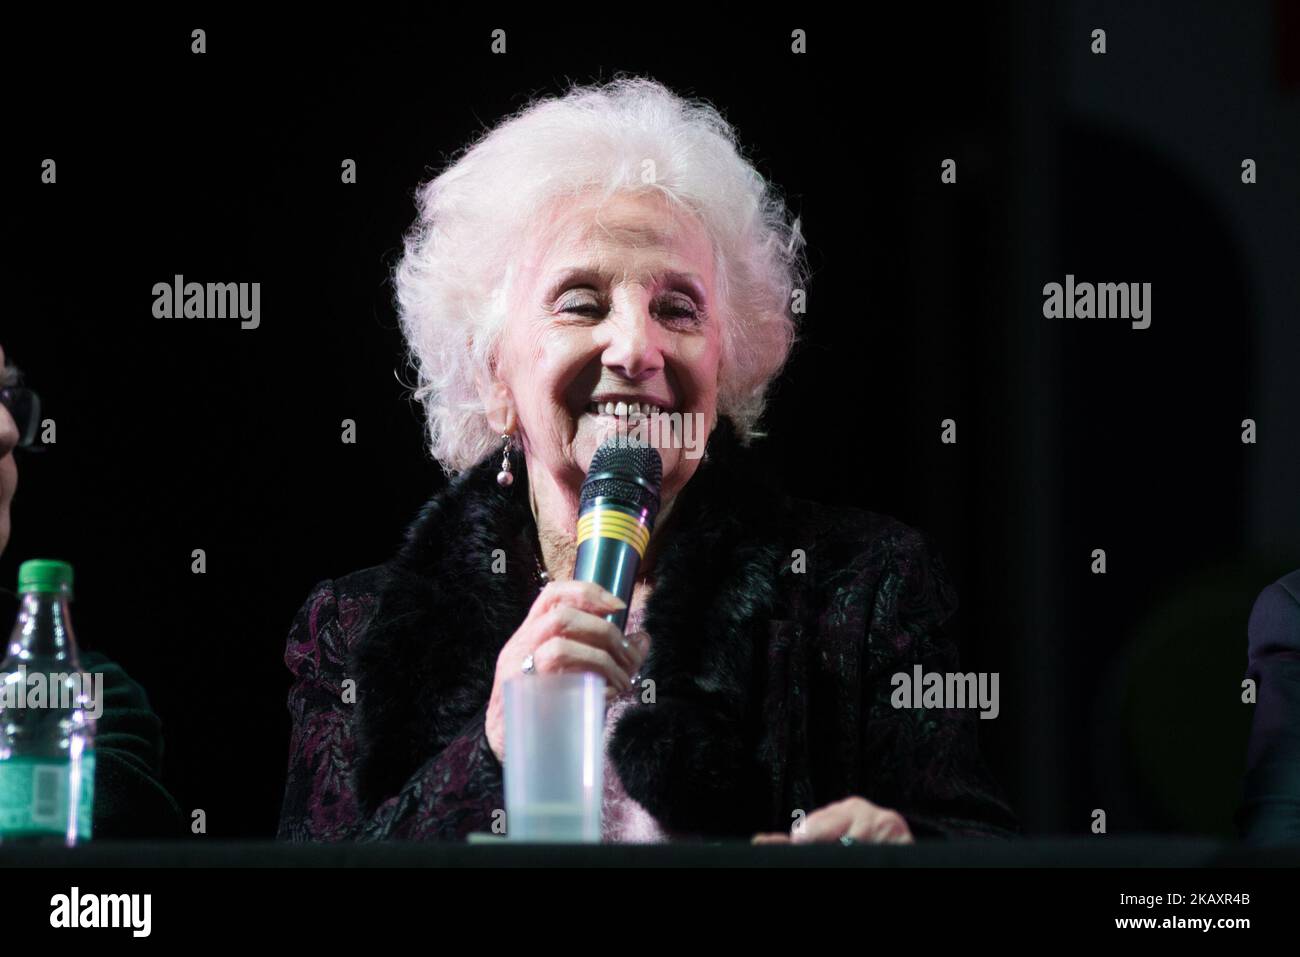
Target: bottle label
(34, 797)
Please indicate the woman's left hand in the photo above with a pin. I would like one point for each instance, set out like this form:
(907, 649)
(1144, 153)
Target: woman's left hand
(853, 817)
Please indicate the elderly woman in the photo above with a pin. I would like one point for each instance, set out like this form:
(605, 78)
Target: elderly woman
(590, 260)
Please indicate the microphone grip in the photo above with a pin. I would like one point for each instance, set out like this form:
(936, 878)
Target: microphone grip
(612, 564)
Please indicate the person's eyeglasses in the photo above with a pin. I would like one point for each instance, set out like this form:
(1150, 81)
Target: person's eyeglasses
(25, 407)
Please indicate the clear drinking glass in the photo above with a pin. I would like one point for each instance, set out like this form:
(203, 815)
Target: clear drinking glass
(554, 768)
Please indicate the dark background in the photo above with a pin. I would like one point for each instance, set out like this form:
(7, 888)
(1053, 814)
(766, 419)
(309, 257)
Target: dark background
(1118, 692)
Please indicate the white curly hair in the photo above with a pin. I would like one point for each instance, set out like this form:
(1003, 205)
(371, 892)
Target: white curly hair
(453, 281)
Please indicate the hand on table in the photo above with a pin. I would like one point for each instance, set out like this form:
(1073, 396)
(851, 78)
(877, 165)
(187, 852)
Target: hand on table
(853, 817)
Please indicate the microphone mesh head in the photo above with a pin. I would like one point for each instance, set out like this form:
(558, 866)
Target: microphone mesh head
(627, 473)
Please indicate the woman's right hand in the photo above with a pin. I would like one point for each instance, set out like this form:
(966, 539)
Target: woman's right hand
(565, 632)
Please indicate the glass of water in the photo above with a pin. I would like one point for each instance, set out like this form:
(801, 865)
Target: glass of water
(554, 768)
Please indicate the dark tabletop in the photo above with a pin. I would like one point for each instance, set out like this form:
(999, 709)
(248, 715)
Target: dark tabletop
(1098, 851)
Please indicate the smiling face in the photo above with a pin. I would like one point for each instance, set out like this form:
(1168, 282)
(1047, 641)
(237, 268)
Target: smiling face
(614, 309)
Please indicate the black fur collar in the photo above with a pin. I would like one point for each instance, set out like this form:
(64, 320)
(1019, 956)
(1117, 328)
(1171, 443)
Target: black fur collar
(426, 664)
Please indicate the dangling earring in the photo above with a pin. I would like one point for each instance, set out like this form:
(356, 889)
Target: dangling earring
(504, 478)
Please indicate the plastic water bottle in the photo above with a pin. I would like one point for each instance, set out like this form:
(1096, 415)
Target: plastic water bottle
(47, 728)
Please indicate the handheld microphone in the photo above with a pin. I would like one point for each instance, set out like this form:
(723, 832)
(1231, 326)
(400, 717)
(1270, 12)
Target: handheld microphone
(616, 514)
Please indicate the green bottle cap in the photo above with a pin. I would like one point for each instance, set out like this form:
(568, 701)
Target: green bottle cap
(43, 574)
